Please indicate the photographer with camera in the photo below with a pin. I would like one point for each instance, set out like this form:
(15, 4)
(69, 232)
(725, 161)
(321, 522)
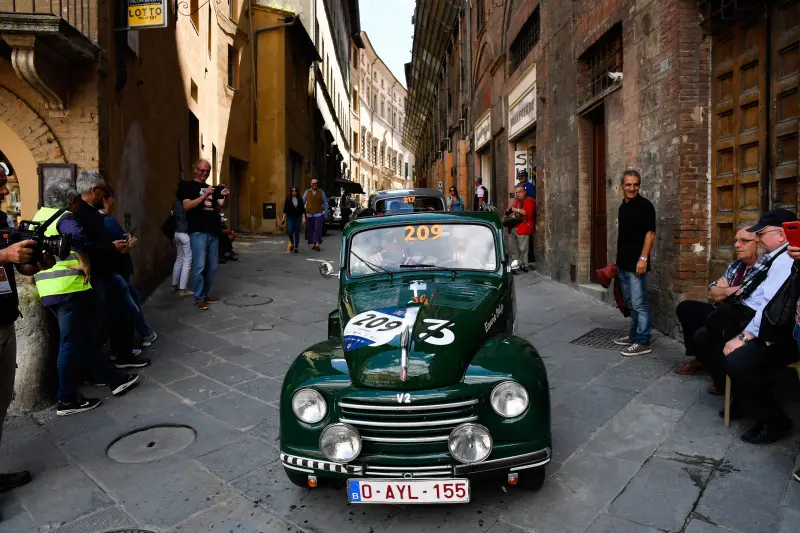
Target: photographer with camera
(202, 203)
(20, 255)
(66, 292)
(111, 290)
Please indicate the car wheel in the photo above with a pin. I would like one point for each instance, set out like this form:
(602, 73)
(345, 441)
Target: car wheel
(298, 478)
(532, 479)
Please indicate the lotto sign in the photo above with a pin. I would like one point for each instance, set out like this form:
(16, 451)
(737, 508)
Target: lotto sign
(147, 14)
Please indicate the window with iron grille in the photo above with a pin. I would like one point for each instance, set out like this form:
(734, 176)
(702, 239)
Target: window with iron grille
(363, 141)
(602, 59)
(525, 40)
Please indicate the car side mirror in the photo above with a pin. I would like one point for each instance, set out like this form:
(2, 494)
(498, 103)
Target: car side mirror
(326, 270)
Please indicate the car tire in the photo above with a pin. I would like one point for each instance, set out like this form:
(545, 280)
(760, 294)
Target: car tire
(298, 478)
(532, 479)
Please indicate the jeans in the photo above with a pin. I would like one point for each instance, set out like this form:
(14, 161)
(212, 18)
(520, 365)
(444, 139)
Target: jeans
(293, 226)
(692, 315)
(634, 291)
(518, 248)
(77, 349)
(141, 322)
(116, 304)
(183, 261)
(205, 250)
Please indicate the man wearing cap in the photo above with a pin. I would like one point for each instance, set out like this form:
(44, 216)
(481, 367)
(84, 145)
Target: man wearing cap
(746, 358)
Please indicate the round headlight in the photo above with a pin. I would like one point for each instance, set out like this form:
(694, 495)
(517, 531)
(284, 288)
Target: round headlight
(509, 399)
(340, 443)
(470, 443)
(309, 406)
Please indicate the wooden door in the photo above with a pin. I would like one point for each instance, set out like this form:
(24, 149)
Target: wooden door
(599, 253)
(738, 129)
(784, 78)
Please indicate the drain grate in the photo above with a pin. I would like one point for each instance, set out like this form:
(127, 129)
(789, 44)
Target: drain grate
(600, 338)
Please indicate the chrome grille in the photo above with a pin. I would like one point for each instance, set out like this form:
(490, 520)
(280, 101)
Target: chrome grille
(409, 471)
(385, 427)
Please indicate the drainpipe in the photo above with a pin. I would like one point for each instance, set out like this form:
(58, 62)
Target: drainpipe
(254, 44)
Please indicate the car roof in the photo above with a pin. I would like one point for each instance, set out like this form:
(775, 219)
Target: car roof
(392, 193)
(425, 217)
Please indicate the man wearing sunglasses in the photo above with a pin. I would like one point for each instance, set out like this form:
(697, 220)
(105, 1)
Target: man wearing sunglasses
(205, 225)
(316, 204)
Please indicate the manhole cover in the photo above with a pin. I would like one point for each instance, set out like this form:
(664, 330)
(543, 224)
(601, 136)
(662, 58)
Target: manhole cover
(151, 444)
(600, 338)
(248, 300)
(130, 531)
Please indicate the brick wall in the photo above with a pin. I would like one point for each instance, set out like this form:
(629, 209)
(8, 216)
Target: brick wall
(655, 122)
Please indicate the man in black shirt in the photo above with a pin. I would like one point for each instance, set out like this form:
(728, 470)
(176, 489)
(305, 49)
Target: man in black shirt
(205, 225)
(637, 233)
(19, 254)
(112, 291)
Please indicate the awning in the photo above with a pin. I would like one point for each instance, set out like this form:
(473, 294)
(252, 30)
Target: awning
(349, 186)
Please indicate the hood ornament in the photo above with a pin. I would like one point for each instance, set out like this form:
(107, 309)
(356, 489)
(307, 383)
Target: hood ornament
(405, 341)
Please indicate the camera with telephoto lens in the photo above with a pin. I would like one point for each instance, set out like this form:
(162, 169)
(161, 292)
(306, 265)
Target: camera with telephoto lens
(57, 245)
(218, 191)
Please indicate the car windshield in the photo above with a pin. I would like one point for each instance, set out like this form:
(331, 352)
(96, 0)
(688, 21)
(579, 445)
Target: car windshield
(422, 246)
(408, 204)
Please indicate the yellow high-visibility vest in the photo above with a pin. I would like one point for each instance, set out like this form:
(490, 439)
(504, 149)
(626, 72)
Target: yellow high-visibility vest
(60, 279)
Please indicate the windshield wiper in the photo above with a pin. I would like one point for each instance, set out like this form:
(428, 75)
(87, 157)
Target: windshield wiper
(418, 265)
(373, 266)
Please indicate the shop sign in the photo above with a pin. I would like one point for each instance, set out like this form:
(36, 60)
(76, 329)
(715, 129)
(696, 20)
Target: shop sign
(147, 14)
(520, 162)
(483, 130)
(522, 104)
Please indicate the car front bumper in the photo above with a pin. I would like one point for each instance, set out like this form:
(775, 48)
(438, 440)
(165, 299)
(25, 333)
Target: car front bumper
(506, 465)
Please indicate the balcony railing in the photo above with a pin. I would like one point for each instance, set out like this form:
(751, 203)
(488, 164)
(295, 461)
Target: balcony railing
(80, 14)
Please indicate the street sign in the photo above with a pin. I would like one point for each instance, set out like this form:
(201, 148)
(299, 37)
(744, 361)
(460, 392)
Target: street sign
(144, 14)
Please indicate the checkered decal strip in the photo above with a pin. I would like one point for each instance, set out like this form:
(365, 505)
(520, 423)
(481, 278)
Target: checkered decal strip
(320, 465)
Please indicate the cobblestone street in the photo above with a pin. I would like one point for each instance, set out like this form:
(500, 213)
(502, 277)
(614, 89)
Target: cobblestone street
(636, 448)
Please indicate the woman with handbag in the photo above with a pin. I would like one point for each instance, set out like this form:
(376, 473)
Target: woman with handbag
(294, 217)
(183, 259)
(519, 218)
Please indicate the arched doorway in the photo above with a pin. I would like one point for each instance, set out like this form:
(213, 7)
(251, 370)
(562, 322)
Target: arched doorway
(25, 142)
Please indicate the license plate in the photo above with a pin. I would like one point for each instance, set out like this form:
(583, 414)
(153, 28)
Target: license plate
(408, 491)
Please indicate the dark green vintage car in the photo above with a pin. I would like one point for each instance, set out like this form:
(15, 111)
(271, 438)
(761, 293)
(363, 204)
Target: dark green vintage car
(422, 385)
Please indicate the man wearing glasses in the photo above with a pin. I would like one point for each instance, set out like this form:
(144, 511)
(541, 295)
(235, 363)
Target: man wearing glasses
(316, 203)
(205, 224)
(692, 314)
(637, 233)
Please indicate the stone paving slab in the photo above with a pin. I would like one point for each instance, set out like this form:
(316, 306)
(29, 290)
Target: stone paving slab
(636, 449)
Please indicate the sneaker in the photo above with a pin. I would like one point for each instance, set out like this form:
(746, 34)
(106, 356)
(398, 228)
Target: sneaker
(211, 300)
(185, 292)
(796, 475)
(133, 362)
(129, 381)
(150, 339)
(636, 349)
(14, 480)
(764, 432)
(623, 341)
(201, 305)
(77, 406)
(136, 352)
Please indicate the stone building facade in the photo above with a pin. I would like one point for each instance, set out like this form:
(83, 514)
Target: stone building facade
(699, 96)
(383, 162)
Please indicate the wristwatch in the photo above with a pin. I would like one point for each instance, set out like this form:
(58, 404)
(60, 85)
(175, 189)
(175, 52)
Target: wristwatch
(643, 259)
(744, 338)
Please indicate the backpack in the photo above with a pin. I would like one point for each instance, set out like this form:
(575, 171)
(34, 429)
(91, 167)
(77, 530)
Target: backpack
(169, 225)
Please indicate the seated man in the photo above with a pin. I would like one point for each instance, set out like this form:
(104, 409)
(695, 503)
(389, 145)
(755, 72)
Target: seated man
(746, 358)
(692, 314)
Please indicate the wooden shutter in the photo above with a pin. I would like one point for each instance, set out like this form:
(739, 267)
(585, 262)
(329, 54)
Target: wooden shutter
(784, 80)
(738, 130)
